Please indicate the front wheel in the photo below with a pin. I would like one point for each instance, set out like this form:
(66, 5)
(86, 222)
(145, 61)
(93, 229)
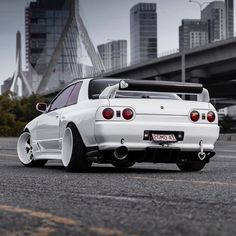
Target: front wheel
(191, 166)
(25, 152)
(74, 150)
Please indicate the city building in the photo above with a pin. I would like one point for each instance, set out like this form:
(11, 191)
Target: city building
(192, 33)
(214, 15)
(44, 23)
(113, 54)
(143, 32)
(6, 85)
(229, 16)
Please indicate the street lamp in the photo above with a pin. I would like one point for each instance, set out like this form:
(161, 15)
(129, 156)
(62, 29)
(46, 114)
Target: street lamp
(200, 4)
(183, 55)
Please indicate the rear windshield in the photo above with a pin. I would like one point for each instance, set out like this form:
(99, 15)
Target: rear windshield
(98, 85)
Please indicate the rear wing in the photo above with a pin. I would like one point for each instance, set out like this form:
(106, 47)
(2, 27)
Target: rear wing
(157, 86)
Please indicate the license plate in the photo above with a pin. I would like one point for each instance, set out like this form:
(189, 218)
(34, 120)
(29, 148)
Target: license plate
(164, 137)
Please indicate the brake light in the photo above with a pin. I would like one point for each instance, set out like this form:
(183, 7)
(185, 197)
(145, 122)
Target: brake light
(127, 114)
(194, 116)
(211, 116)
(108, 113)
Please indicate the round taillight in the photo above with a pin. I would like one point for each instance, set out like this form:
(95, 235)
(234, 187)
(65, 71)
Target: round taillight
(128, 114)
(194, 116)
(211, 116)
(108, 113)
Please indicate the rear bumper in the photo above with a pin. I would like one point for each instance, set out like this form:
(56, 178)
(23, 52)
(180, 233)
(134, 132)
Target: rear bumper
(112, 134)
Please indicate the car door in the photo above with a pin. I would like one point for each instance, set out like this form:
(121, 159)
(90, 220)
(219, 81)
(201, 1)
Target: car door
(69, 108)
(47, 132)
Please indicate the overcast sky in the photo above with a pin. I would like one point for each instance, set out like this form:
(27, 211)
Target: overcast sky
(105, 20)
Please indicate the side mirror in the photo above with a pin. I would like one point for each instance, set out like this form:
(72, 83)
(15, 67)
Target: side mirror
(41, 107)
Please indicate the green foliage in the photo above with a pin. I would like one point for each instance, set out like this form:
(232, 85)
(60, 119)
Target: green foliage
(16, 113)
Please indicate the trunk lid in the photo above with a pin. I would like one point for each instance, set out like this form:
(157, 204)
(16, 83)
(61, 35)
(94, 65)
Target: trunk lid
(159, 106)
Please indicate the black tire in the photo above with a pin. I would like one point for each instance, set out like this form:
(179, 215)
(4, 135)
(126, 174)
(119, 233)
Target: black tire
(123, 164)
(77, 163)
(25, 148)
(38, 163)
(191, 166)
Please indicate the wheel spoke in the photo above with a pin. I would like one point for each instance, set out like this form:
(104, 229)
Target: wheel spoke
(27, 145)
(29, 155)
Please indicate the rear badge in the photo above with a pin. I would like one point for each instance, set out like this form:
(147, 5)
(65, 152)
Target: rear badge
(162, 107)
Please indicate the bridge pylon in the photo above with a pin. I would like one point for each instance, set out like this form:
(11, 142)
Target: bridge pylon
(74, 39)
(18, 74)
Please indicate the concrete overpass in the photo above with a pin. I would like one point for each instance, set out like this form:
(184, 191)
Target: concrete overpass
(214, 65)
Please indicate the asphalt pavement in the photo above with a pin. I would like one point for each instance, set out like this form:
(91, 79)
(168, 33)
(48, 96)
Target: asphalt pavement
(147, 199)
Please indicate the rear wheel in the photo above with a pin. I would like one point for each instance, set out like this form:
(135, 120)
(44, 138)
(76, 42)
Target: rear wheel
(191, 166)
(25, 152)
(74, 150)
(123, 164)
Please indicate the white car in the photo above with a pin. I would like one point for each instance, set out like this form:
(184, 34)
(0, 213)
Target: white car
(122, 121)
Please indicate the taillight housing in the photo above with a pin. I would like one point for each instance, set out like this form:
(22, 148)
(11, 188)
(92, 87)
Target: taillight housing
(211, 116)
(108, 113)
(127, 114)
(194, 116)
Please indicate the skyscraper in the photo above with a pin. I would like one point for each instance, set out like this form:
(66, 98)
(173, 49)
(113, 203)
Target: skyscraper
(143, 32)
(114, 54)
(229, 16)
(214, 15)
(192, 33)
(44, 23)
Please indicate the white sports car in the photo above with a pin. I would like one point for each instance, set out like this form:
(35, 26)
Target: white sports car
(122, 121)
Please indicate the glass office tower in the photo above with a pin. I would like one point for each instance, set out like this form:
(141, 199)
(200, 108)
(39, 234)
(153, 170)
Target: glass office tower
(44, 23)
(113, 54)
(143, 32)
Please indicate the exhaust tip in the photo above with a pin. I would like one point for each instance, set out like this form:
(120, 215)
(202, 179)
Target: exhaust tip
(121, 153)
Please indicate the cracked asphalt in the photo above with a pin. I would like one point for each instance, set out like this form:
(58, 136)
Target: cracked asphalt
(147, 199)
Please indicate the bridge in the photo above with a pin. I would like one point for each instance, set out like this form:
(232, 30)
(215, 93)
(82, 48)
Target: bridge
(213, 65)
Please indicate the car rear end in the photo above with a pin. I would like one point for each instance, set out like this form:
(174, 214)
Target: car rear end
(162, 129)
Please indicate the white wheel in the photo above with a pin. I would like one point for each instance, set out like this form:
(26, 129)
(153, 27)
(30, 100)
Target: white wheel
(25, 152)
(67, 147)
(74, 150)
(24, 149)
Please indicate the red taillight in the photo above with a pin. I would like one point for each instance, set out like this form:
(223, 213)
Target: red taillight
(194, 116)
(127, 114)
(211, 116)
(108, 113)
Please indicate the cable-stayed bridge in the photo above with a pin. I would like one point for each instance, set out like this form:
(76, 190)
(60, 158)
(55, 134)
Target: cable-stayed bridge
(72, 56)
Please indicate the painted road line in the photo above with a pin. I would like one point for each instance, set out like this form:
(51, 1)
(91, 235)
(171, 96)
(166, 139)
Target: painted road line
(40, 215)
(106, 231)
(225, 151)
(117, 198)
(44, 231)
(47, 230)
(225, 157)
(187, 181)
(8, 155)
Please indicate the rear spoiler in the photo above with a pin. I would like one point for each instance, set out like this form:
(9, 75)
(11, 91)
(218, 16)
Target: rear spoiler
(157, 86)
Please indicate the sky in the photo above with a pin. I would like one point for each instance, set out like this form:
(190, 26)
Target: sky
(105, 20)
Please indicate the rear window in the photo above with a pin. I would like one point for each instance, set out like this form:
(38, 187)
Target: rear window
(98, 85)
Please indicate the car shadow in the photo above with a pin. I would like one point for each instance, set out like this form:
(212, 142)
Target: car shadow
(113, 170)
